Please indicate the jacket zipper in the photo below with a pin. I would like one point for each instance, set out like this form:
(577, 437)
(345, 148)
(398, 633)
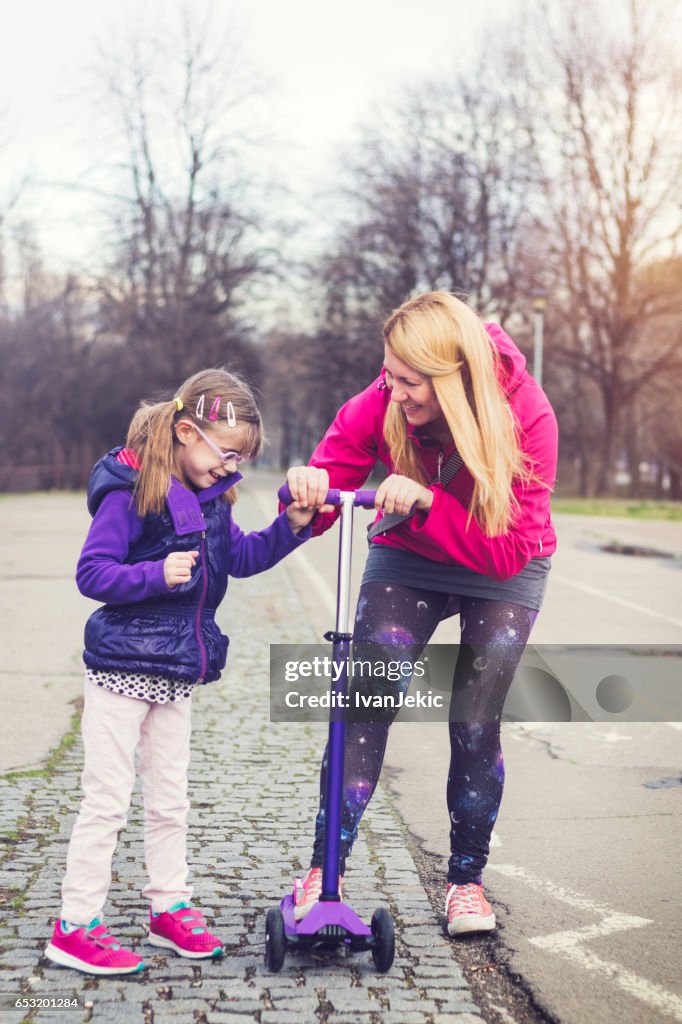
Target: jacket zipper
(200, 606)
(440, 464)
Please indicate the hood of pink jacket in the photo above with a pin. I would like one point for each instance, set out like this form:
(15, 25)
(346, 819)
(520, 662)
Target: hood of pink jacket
(512, 366)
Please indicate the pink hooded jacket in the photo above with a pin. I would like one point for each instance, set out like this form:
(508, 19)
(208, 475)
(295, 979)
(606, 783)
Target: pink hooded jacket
(354, 441)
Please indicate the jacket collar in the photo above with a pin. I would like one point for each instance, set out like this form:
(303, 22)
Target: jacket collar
(423, 441)
(185, 505)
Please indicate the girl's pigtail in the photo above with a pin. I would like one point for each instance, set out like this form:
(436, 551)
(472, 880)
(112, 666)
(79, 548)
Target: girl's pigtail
(151, 436)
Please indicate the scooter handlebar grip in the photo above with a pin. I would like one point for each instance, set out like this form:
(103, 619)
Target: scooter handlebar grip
(363, 499)
(285, 495)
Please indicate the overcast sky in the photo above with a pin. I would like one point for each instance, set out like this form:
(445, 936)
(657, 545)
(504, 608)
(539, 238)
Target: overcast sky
(330, 61)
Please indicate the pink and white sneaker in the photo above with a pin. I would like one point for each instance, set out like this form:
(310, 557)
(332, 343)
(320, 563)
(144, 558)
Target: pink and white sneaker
(307, 892)
(183, 929)
(468, 910)
(92, 950)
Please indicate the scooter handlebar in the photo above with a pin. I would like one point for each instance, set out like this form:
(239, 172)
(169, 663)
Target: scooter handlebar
(363, 499)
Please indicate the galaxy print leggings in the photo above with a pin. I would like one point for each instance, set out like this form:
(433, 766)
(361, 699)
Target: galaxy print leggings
(391, 619)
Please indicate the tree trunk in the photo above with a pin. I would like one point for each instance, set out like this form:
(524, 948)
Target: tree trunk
(635, 485)
(606, 460)
(285, 439)
(604, 484)
(583, 475)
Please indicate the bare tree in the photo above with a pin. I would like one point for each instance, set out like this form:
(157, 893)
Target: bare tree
(437, 194)
(609, 136)
(187, 242)
(45, 437)
(440, 197)
(561, 172)
(654, 434)
(8, 207)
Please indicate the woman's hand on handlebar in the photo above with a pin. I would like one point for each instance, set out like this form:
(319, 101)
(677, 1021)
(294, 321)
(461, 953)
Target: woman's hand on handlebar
(400, 494)
(308, 486)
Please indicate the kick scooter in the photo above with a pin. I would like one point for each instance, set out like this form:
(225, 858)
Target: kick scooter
(331, 923)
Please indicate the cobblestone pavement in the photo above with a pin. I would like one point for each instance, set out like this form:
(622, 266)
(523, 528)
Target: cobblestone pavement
(254, 797)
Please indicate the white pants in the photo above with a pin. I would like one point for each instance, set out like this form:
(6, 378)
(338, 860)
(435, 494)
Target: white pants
(114, 727)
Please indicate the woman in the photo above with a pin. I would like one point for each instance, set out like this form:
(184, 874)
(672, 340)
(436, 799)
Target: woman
(478, 543)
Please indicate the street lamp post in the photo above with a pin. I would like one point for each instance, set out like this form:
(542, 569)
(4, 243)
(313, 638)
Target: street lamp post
(539, 297)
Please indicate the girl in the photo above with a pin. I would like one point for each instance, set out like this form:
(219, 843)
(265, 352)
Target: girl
(160, 548)
(470, 441)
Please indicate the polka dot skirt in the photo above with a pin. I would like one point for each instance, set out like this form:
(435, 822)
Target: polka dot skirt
(158, 689)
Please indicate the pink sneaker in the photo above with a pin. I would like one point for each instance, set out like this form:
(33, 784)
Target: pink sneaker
(183, 929)
(92, 950)
(307, 892)
(468, 910)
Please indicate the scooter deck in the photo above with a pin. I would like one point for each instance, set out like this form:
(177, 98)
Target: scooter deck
(327, 923)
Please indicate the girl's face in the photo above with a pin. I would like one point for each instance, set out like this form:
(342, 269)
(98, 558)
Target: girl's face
(196, 462)
(412, 391)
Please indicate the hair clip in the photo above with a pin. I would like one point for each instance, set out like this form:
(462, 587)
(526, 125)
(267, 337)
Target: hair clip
(231, 417)
(199, 411)
(179, 404)
(213, 414)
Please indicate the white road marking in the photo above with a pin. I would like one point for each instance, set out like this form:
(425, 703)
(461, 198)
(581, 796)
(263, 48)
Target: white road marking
(611, 735)
(674, 725)
(556, 891)
(568, 943)
(320, 584)
(596, 592)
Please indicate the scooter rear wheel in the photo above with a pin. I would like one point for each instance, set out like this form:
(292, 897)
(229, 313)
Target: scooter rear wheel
(275, 940)
(383, 946)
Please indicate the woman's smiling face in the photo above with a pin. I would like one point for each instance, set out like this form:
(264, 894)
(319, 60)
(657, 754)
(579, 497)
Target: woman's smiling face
(412, 391)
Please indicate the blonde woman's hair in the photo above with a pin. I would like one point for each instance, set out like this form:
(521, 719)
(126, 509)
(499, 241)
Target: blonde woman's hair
(151, 434)
(441, 337)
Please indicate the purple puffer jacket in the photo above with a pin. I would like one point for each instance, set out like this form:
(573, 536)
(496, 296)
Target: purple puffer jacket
(144, 626)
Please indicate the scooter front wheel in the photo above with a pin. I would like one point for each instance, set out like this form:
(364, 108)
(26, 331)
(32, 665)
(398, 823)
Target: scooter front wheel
(275, 940)
(383, 946)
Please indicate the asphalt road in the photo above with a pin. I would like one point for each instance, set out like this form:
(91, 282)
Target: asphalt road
(584, 870)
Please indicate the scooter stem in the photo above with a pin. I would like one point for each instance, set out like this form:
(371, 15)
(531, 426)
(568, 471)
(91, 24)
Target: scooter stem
(337, 725)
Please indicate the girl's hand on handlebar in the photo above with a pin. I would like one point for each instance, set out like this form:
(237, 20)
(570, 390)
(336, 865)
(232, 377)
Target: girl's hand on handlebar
(399, 494)
(309, 486)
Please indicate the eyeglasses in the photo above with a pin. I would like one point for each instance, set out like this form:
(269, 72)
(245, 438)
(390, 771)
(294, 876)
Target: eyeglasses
(223, 456)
